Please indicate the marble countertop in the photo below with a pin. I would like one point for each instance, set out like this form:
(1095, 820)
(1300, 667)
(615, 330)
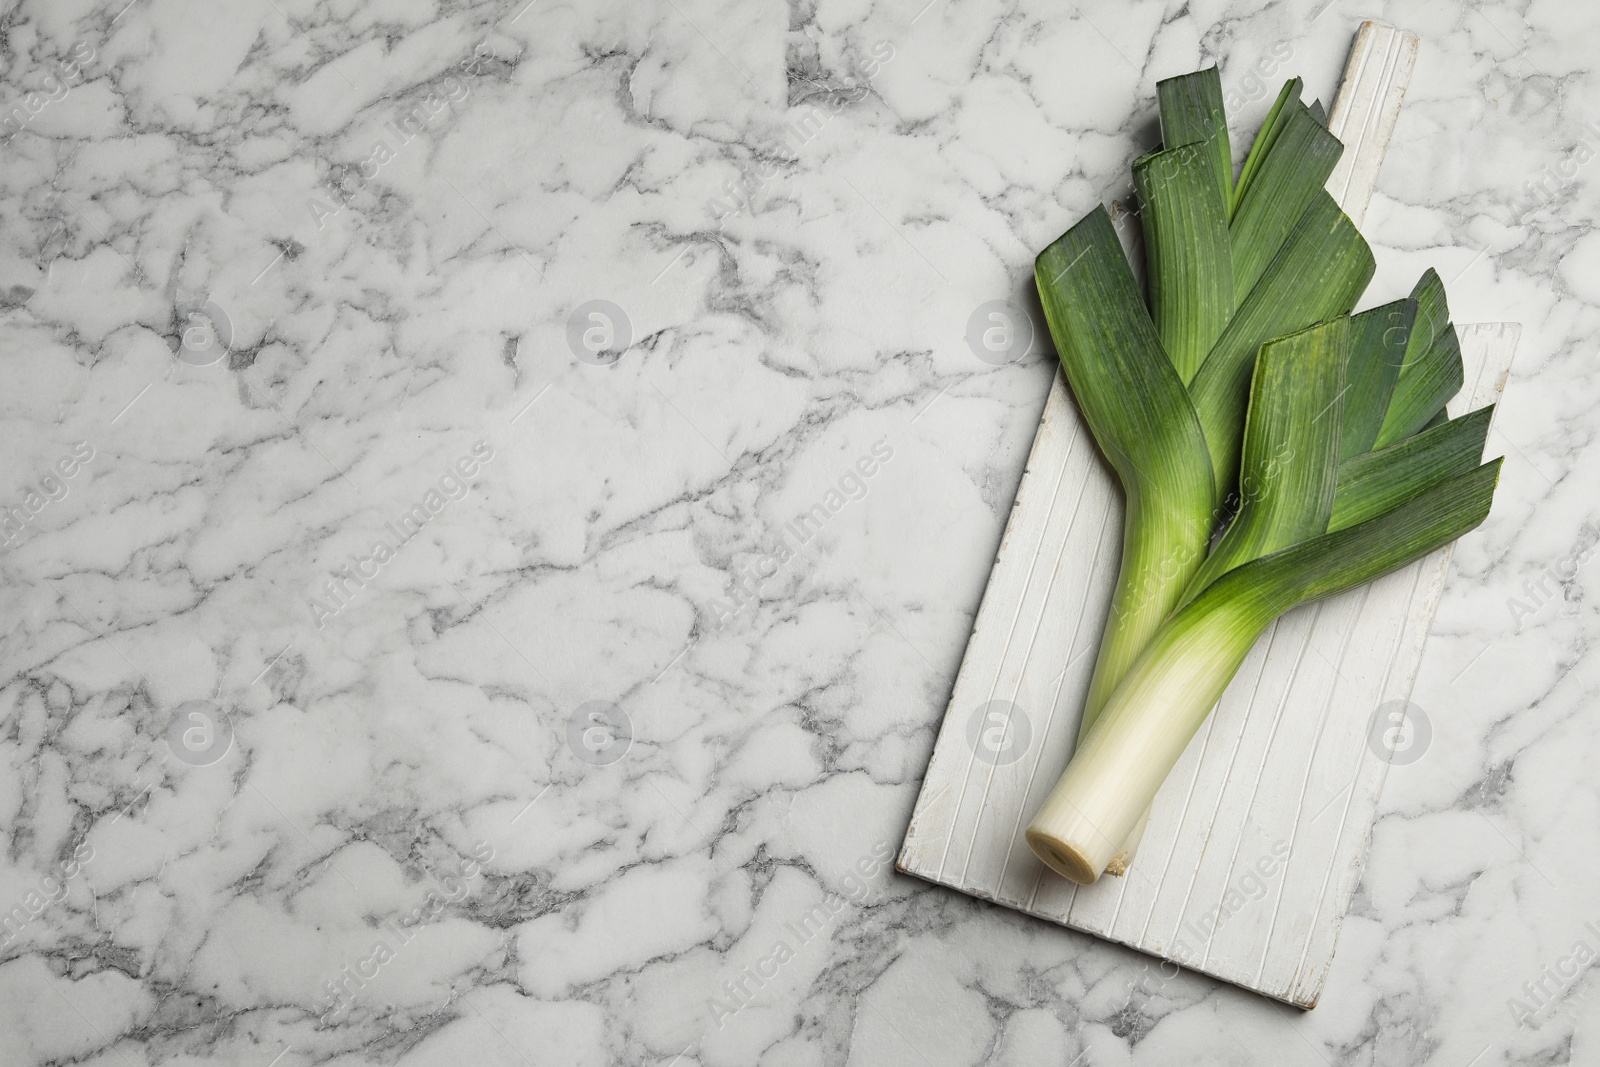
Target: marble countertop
(497, 495)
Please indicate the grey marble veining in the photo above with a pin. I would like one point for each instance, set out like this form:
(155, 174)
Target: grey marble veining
(496, 496)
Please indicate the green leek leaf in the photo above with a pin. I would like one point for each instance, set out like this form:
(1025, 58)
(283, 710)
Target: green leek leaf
(1192, 112)
(1353, 555)
(1264, 138)
(1187, 257)
(1377, 349)
(1422, 389)
(1375, 482)
(1433, 314)
(1294, 170)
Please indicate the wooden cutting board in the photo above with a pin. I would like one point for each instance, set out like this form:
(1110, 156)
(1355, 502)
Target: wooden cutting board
(1257, 838)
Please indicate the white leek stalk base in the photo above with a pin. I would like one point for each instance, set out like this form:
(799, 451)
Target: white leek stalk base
(1102, 796)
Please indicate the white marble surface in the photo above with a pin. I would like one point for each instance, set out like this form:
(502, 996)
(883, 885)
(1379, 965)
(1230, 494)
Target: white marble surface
(267, 350)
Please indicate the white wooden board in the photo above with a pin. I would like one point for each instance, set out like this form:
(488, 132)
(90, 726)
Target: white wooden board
(1256, 839)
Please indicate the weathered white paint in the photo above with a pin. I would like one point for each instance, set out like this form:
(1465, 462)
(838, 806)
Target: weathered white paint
(1281, 768)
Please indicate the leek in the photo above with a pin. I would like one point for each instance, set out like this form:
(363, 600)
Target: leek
(1273, 448)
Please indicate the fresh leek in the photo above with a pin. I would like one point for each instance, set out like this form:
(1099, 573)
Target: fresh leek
(1273, 448)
